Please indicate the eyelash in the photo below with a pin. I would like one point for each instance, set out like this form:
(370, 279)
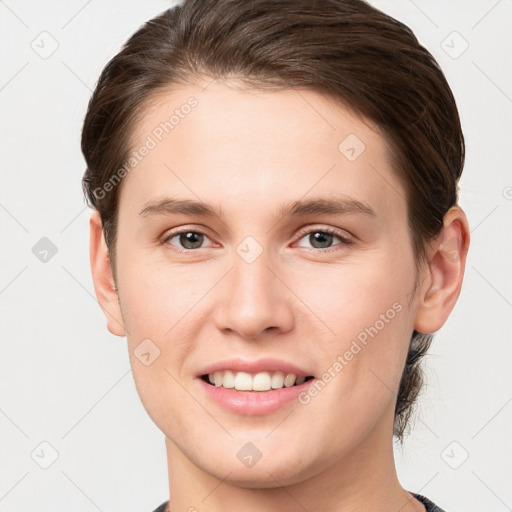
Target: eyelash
(344, 240)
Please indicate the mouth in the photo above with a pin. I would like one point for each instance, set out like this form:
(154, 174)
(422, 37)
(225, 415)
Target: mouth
(260, 382)
(253, 387)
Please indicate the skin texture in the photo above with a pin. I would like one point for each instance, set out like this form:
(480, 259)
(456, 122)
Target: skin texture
(249, 152)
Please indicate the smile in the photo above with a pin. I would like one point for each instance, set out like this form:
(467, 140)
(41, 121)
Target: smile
(261, 381)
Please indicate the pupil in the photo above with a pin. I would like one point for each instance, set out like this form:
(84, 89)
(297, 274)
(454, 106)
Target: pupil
(320, 237)
(191, 240)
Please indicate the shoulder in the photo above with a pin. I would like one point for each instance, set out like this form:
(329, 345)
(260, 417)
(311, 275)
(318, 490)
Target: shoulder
(162, 507)
(429, 505)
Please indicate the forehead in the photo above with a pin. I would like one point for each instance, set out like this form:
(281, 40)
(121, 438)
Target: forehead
(240, 146)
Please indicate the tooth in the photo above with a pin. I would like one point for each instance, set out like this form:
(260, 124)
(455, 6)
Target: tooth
(229, 379)
(261, 382)
(243, 381)
(289, 380)
(277, 380)
(217, 378)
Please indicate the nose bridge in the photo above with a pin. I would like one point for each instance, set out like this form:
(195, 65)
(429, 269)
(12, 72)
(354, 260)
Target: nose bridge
(251, 273)
(253, 300)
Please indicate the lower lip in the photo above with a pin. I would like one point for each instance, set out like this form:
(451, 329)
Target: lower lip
(253, 403)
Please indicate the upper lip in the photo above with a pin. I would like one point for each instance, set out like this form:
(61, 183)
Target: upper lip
(266, 364)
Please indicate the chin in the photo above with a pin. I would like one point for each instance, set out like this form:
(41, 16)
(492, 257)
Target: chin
(274, 469)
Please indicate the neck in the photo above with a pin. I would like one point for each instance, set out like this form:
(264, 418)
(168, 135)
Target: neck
(363, 479)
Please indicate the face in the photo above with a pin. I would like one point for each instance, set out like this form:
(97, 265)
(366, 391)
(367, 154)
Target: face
(301, 265)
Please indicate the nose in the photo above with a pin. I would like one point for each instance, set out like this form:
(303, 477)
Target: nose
(253, 300)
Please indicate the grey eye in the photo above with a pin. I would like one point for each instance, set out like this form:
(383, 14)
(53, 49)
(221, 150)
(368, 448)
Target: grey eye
(188, 239)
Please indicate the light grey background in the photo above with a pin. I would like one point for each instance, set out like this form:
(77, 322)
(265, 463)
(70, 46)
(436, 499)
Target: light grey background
(65, 380)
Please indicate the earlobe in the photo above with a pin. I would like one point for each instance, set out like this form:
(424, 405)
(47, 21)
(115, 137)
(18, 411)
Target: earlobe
(446, 264)
(103, 279)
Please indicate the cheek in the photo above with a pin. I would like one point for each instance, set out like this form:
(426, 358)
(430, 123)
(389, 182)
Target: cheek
(351, 297)
(157, 304)
(156, 296)
(165, 400)
(363, 324)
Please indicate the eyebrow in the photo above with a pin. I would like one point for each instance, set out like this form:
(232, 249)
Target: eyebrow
(318, 206)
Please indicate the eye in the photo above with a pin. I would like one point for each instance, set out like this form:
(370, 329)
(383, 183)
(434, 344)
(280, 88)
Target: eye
(187, 239)
(323, 238)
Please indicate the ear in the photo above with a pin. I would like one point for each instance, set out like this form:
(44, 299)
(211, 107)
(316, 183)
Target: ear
(442, 283)
(103, 279)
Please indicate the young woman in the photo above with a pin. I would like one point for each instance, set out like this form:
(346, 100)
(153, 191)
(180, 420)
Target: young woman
(276, 232)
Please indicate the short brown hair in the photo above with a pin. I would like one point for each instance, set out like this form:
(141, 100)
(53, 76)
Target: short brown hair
(347, 49)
